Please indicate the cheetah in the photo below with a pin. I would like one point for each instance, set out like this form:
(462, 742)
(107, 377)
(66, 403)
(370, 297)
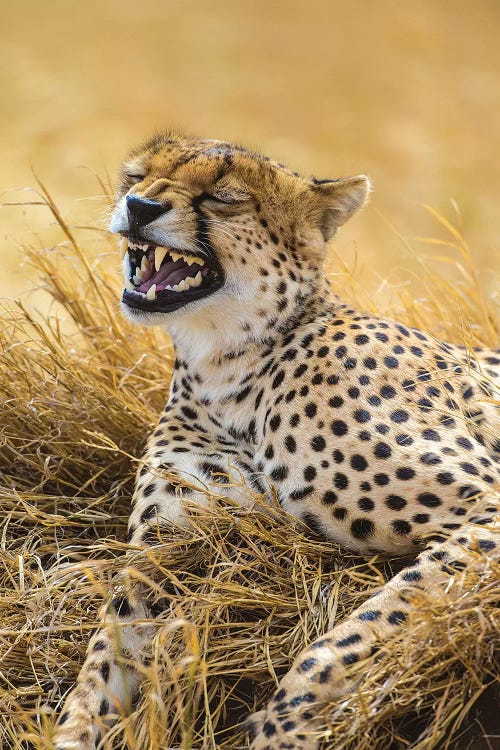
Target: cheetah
(374, 434)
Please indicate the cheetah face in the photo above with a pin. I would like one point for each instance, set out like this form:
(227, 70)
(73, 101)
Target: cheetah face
(210, 229)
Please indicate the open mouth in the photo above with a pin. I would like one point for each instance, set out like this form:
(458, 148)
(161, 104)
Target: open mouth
(162, 279)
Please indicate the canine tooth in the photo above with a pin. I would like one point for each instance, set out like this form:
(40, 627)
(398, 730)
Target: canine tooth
(196, 280)
(129, 286)
(151, 293)
(160, 253)
(144, 264)
(123, 247)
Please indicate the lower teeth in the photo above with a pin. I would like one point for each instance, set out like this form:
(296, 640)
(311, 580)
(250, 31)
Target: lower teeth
(184, 285)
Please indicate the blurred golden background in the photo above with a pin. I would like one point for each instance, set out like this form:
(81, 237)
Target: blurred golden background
(406, 92)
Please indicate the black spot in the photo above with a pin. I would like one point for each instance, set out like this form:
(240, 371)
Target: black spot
(445, 477)
(430, 459)
(349, 640)
(269, 728)
(99, 645)
(63, 718)
(340, 480)
(429, 500)
(147, 491)
(104, 707)
(382, 450)
(300, 493)
(307, 664)
(486, 545)
(121, 606)
(336, 402)
(395, 502)
(401, 527)
(350, 659)
(362, 416)
(391, 362)
(309, 473)
(149, 512)
(411, 576)
(339, 427)
(469, 468)
(310, 410)
(404, 439)
(362, 528)
(396, 617)
(324, 676)
(278, 379)
(279, 473)
(290, 444)
(358, 462)
(210, 467)
(188, 412)
(304, 698)
(340, 514)
(405, 473)
(275, 422)
(400, 416)
(104, 670)
(381, 479)
(318, 443)
(370, 615)
(313, 522)
(361, 339)
(330, 498)
(370, 363)
(431, 435)
(364, 503)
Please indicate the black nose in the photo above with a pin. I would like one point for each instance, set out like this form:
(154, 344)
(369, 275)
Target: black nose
(142, 210)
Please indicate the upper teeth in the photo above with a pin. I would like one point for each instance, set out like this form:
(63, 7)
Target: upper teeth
(160, 253)
(137, 245)
(159, 256)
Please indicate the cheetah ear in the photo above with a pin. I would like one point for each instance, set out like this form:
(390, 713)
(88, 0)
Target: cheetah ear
(338, 200)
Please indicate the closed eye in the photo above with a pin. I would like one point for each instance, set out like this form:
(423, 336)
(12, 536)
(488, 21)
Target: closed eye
(134, 177)
(226, 197)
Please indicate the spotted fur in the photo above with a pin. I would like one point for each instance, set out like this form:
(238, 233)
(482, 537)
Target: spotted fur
(375, 434)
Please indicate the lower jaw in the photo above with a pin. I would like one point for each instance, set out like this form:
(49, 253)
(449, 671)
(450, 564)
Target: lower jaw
(167, 302)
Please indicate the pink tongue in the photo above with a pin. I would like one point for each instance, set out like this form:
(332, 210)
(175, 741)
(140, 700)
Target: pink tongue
(169, 274)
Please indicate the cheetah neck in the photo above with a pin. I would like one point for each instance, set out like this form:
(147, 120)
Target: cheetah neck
(222, 337)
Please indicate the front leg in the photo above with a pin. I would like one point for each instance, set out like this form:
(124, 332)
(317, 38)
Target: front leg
(333, 664)
(185, 465)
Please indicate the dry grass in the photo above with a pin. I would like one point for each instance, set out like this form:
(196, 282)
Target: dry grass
(80, 390)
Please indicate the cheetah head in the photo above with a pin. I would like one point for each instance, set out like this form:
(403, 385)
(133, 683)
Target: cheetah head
(213, 232)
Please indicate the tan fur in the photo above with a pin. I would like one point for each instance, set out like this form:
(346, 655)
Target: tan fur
(377, 436)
